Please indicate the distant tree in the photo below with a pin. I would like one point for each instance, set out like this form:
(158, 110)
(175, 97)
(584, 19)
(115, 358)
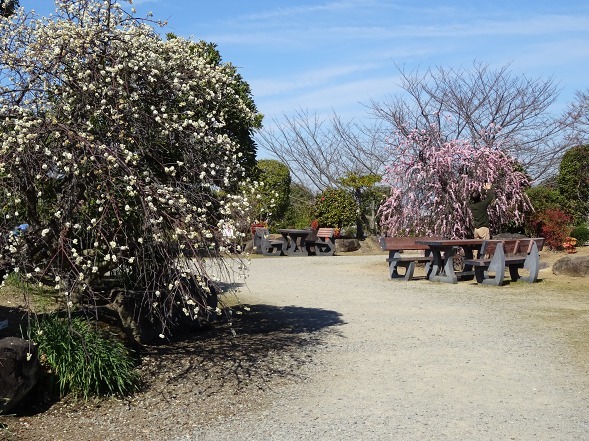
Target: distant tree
(276, 178)
(486, 107)
(573, 182)
(431, 186)
(576, 119)
(361, 188)
(320, 152)
(329, 153)
(299, 213)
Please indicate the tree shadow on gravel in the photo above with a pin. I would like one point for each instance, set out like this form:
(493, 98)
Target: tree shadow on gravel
(262, 345)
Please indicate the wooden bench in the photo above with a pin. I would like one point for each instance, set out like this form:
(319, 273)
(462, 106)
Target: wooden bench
(321, 243)
(268, 246)
(397, 245)
(513, 254)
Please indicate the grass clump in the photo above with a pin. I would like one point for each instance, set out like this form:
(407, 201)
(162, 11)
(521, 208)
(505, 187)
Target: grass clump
(83, 360)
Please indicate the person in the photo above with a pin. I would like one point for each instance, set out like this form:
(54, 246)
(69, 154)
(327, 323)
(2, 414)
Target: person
(478, 208)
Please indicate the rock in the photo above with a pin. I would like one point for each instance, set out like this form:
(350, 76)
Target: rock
(346, 245)
(572, 266)
(509, 236)
(19, 371)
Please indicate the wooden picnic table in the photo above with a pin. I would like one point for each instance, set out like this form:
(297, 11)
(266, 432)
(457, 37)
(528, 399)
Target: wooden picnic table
(443, 252)
(295, 241)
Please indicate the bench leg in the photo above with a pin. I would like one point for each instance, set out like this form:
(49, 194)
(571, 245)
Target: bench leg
(532, 264)
(272, 249)
(514, 272)
(480, 273)
(325, 248)
(497, 266)
(409, 270)
(394, 270)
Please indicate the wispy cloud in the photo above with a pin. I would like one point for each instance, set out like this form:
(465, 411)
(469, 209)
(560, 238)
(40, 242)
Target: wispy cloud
(295, 11)
(143, 2)
(308, 79)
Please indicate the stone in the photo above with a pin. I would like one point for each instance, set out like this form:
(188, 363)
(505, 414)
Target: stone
(577, 266)
(18, 372)
(509, 236)
(346, 245)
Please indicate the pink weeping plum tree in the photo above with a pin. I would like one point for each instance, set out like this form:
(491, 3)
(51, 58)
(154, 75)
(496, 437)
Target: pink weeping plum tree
(431, 181)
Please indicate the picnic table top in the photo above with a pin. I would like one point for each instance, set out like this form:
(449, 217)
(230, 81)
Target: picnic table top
(450, 242)
(294, 231)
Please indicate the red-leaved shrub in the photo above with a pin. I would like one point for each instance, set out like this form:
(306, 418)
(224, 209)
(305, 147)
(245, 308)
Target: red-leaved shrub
(555, 227)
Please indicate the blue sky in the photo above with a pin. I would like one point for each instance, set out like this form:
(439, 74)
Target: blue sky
(337, 55)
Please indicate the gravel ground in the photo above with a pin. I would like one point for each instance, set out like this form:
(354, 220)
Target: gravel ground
(331, 349)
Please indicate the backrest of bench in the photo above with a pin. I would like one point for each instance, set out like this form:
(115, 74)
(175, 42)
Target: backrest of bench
(512, 247)
(539, 243)
(404, 242)
(325, 233)
(488, 248)
(262, 232)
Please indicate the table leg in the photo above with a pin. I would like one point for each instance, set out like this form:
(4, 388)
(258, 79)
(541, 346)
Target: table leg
(443, 266)
(296, 246)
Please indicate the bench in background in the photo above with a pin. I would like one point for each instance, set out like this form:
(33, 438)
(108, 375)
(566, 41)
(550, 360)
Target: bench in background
(269, 246)
(322, 243)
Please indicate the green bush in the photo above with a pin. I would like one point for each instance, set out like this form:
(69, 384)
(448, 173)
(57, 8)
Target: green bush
(573, 182)
(335, 208)
(581, 233)
(299, 213)
(83, 360)
(543, 198)
(276, 178)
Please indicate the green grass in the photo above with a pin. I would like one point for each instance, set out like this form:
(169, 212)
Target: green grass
(84, 360)
(40, 298)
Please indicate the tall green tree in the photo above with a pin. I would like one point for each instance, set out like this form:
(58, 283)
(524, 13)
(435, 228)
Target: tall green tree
(238, 128)
(361, 187)
(276, 178)
(573, 182)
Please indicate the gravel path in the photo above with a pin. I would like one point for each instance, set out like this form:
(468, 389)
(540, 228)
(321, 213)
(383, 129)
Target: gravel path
(410, 361)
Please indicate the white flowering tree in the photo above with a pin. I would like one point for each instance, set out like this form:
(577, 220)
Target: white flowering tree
(118, 153)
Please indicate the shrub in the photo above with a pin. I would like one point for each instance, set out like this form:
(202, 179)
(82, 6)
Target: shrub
(83, 360)
(542, 198)
(276, 178)
(300, 208)
(335, 208)
(573, 181)
(554, 226)
(581, 233)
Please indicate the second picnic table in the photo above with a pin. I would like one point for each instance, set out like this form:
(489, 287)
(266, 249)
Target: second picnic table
(295, 241)
(443, 252)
